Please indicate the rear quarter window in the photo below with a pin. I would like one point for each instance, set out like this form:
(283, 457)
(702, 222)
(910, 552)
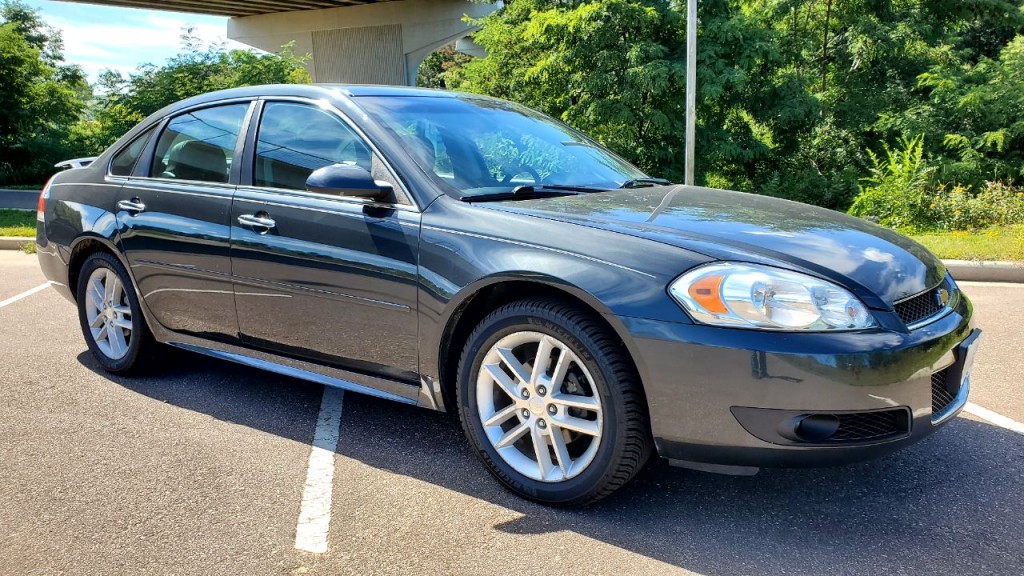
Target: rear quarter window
(123, 163)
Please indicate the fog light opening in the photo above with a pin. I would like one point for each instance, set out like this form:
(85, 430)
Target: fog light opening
(813, 428)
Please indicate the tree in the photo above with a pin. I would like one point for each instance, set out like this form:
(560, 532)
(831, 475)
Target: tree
(981, 107)
(127, 100)
(41, 96)
(434, 70)
(616, 70)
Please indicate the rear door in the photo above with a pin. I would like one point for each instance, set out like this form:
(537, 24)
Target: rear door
(329, 279)
(174, 214)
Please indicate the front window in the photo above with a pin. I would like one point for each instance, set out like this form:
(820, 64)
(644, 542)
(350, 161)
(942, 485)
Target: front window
(481, 146)
(296, 139)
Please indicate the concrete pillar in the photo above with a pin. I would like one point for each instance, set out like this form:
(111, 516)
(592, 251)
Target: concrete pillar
(378, 43)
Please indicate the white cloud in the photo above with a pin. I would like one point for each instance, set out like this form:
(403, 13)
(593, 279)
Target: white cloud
(138, 38)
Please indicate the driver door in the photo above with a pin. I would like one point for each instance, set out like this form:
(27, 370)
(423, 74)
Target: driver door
(325, 278)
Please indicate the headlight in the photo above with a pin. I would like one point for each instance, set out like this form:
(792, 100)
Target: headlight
(754, 296)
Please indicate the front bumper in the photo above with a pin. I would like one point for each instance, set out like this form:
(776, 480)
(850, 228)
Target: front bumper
(731, 397)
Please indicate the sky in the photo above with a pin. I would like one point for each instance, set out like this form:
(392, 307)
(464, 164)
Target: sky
(101, 37)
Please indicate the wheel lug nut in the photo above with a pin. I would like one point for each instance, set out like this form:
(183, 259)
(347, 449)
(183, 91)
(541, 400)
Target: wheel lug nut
(542, 424)
(526, 413)
(542, 390)
(552, 409)
(526, 393)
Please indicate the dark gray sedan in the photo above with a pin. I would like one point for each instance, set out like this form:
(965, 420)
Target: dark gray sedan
(464, 253)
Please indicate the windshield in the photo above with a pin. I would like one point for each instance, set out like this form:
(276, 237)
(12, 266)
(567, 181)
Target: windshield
(481, 146)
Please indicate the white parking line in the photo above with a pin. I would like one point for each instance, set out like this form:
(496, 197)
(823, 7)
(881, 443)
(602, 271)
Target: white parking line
(24, 294)
(997, 419)
(315, 512)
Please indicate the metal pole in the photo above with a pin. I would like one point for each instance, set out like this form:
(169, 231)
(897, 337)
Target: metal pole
(691, 87)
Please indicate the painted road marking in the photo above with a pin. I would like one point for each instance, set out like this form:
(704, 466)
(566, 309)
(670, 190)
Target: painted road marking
(24, 294)
(315, 512)
(995, 418)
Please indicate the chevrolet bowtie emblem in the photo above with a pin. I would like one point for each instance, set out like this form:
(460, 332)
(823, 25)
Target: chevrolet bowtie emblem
(943, 296)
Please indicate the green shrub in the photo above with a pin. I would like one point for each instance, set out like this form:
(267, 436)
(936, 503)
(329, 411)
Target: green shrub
(896, 194)
(959, 208)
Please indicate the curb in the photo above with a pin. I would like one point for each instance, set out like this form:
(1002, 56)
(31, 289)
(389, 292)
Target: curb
(986, 271)
(14, 243)
(962, 270)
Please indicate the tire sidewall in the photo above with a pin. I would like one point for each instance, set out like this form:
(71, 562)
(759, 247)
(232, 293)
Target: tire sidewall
(126, 362)
(580, 487)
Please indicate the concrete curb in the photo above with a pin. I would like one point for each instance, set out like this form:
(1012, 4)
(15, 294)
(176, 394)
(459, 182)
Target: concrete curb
(13, 243)
(986, 271)
(964, 270)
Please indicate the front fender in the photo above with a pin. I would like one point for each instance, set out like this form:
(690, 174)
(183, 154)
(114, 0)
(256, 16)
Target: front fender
(466, 249)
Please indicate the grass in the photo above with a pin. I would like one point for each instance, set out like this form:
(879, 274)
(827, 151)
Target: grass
(996, 243)
(35, 187)
(18, 223)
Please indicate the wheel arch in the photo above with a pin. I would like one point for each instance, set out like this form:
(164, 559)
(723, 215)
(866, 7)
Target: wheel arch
(85, 246)
(477, 300)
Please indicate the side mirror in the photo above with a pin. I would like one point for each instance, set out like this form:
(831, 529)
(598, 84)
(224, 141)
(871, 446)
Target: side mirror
(347, 180)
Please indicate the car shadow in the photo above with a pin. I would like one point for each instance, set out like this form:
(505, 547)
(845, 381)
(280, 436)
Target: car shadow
(953, 503)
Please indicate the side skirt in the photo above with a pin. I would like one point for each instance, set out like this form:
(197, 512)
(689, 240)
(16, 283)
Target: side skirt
(372, 386)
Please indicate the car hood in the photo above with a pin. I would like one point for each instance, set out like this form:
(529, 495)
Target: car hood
(877, 264)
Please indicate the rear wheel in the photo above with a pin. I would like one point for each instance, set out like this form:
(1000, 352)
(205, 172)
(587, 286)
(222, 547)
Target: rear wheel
(552, 404)
(110, 315)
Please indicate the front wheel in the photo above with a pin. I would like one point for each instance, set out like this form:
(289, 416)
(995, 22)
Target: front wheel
(552, 404)
(110, 315)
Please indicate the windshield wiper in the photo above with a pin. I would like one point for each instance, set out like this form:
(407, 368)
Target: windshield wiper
(531, 191)
(644, 182)
(528, 188)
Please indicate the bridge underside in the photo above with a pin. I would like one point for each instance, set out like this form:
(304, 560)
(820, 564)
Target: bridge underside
(350, 41)
(231, 7)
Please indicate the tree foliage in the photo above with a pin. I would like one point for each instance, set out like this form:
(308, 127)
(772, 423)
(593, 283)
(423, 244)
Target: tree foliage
(41, 95)
(792, 94)
(434, 70)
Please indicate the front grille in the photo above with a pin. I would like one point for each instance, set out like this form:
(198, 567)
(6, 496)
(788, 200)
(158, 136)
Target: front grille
(861, 426)
(922, 306)
(941, 396)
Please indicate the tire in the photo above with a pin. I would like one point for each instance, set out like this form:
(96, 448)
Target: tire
(595, 396)
(101, 323)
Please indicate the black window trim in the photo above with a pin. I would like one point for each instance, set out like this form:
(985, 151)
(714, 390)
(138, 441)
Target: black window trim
(249, 160)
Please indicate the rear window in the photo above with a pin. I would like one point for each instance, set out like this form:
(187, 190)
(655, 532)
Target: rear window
(200, 145)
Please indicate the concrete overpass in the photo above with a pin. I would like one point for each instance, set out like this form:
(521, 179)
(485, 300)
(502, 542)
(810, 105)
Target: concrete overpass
(351, 41)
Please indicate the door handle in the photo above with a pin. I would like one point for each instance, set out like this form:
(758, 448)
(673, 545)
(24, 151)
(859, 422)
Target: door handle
(133, 205)
(257, 221)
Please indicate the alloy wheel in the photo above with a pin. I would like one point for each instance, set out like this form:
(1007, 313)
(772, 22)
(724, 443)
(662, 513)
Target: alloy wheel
(108, 313)
(539, 406)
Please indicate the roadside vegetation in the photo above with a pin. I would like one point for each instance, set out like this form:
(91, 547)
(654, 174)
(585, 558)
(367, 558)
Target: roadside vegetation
(996, 243)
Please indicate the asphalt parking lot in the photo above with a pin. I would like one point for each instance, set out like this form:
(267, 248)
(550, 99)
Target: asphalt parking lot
(201, 470)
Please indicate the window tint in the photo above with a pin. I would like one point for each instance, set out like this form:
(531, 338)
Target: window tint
(199, 145)
(124, 162)
(295, 139)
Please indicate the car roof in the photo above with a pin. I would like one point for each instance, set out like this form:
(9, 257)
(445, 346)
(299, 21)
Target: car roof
(314, 91)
